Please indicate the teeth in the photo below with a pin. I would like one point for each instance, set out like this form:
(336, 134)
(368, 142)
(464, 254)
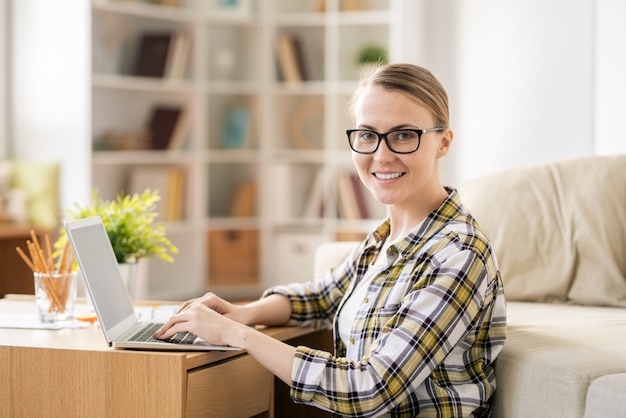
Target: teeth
(387, 176)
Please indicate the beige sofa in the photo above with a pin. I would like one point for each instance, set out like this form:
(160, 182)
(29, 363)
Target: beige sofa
(559, 231)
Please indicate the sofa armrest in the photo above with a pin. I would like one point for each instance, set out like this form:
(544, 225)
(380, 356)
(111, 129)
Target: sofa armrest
(330, 255)
(606, 397)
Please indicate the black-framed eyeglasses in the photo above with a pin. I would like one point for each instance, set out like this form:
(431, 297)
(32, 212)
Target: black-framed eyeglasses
(400, 141)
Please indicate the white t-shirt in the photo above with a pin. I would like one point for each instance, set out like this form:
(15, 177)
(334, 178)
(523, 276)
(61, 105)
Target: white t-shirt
(348, 312)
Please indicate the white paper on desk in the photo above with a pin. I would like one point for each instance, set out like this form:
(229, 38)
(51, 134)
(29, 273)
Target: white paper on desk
(25, 321)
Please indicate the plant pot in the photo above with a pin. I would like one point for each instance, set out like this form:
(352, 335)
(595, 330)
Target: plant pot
(135, 278)
(129, 277)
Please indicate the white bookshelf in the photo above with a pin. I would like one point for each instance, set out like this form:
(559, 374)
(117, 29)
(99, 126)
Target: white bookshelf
(233, 61)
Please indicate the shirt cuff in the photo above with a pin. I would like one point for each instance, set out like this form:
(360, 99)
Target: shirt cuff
(309, 366)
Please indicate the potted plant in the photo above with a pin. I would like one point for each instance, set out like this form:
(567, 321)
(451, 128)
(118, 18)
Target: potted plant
(130, 224)
(371, 55)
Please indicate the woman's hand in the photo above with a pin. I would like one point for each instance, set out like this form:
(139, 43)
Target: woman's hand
(219, 322)
(202, 320)
(219, 305)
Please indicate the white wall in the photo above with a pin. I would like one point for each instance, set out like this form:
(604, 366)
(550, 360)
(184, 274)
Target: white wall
(526, 85)
(50, 89)
(528, 80)
(3, 79)
(610, 77)
(520, 78)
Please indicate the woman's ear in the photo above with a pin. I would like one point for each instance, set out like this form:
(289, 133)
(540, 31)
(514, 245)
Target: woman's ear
(445, 143)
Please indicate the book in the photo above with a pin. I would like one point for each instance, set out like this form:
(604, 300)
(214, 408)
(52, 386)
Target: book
(348, 206)
(169, 183)
(234, 7)
(354, 5)
(152, 57)
(291, 190)
(162, 126)
(244, 200)
(288, 58)
(178, 57)
(299, 51)
(315, 205)
(351, 197)
(174, 197)
(236, 127)
(181, 131)
(282, 202)
(359, 194)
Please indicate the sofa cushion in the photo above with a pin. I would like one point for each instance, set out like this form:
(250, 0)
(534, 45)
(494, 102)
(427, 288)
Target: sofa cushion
(330, 255)
(558, 229)
(518, 211)
(552, 354)
(599, 198)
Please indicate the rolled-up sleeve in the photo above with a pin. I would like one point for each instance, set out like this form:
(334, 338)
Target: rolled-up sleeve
(314, 303)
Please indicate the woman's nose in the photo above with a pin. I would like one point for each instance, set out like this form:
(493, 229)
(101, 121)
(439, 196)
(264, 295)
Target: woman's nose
(383, 153)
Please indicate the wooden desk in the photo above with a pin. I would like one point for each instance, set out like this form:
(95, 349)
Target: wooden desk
(72, 372)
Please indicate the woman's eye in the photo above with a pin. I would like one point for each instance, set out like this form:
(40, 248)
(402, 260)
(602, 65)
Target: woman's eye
(405, 135)
(368, 136)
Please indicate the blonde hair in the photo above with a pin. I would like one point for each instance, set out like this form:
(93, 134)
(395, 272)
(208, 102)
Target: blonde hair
(412, 80)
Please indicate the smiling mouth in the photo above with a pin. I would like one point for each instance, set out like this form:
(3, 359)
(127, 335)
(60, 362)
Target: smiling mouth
(388, 176)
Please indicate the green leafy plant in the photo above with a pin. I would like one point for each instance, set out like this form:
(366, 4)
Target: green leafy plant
(130, 224)
(372, 54)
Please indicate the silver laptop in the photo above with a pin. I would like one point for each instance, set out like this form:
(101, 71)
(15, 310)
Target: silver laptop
(110, 298)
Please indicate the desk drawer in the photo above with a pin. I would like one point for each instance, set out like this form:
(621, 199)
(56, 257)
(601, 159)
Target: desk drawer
(240, 387)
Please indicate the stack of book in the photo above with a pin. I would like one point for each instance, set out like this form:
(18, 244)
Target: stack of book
(163, 55)
(351, 197)
(237, 127)
(169, 181)
(168, 126)
(291, 66)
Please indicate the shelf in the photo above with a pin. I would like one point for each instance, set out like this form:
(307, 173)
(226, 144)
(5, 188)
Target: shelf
(146, 10)
(298, 156)
(221, 156)
(370, 17)
(311, 88)
(300, 19)
(287, 138)
(144, 157)
(131, 83)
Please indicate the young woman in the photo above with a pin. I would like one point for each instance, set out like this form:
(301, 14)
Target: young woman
(418, 310)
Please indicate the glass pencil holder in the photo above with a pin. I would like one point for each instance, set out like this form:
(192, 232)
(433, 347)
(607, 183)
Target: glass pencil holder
(55, 295)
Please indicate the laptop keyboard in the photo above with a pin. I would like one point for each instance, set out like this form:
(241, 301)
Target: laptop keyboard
(147, 332)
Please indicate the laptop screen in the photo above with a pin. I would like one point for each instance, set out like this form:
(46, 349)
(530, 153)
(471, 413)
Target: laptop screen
(100, 271)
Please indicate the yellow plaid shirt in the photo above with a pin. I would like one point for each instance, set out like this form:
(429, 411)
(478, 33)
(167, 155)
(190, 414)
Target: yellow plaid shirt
(428, 331)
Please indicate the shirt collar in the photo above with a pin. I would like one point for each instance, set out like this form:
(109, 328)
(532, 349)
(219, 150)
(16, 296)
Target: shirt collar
(434, 222)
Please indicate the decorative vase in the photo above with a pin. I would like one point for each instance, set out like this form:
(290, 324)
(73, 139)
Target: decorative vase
(135, 277)
(129, 277)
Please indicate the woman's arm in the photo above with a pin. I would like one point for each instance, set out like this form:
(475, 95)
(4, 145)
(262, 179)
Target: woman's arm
(272, 310)
(274, 355)
(217, 328)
